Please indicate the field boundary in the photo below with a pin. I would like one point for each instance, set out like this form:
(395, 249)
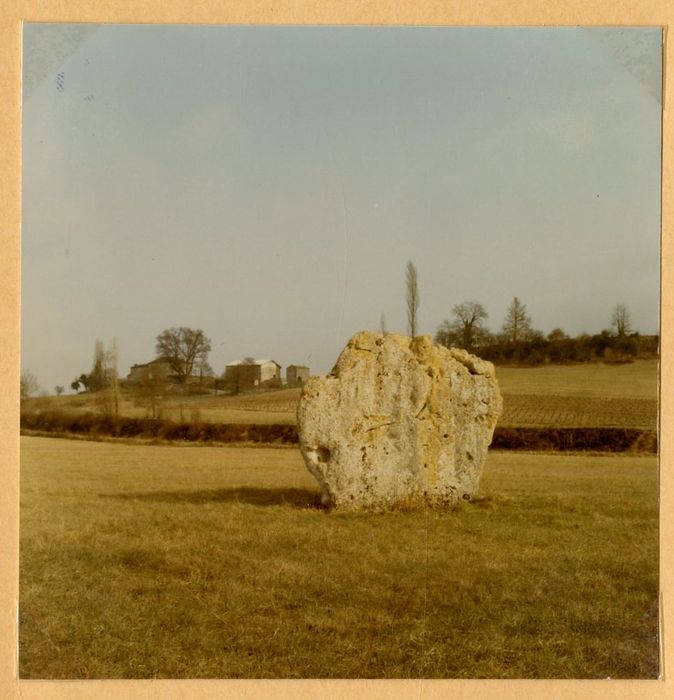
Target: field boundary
(92, 426)
(576, 439)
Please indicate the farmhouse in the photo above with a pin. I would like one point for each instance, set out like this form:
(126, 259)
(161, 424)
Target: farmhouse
(296, 374)
(156, 369)
(251, 373)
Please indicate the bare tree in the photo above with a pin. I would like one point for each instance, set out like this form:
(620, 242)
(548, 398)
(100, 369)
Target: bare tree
(103, 379)
(28, 384)
(466, 329)
(412, 297)
(111, 373)
(183, 347)
(517, 325)
(205, 370)
(97, 376)
(620, 320)
(148, 392)
(382, 324)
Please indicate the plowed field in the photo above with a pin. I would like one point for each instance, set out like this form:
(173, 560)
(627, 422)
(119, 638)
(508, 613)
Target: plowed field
(557, 396)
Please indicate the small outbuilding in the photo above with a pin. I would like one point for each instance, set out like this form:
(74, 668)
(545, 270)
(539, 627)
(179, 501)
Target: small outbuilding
(296, 374)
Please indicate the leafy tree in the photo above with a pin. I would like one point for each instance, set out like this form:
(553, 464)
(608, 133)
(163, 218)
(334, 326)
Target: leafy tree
(28, 384)
(466, 329)
(58, 389)
(148, 392)
(183, 347)
(517, 325)
(620, 320)
(557, 335)
(412, 297)
(560, 346)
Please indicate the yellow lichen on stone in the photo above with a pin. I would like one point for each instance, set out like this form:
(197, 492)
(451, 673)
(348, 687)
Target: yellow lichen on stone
(402, 419)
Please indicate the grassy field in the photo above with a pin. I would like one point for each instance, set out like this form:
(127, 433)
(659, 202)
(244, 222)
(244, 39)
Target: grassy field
(275, 406)
(635, 380)
(216, 562)
(561, 396)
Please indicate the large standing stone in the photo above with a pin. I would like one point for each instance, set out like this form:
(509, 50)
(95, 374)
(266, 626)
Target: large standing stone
(399, 421)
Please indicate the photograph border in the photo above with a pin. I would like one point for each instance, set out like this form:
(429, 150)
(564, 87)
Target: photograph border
(327, 12)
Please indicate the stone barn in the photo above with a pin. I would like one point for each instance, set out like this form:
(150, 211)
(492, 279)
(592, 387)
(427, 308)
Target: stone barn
(297, 374)
(248, 374)
(159, 369)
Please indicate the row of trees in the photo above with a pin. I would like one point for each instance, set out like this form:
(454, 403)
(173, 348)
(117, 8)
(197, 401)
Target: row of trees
(185, 350)
(103, 375)
(103, 372)
(518, 341)
(557, 347)
(467, 327)
(29, 385)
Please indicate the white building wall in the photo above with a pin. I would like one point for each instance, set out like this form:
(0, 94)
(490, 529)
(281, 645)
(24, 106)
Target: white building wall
(268, 370)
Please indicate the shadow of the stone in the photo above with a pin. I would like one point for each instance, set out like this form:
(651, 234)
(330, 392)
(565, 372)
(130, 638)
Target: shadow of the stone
(296, 498)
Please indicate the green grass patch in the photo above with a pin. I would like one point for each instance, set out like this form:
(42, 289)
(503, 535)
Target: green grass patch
(165, 562)
(636, 380)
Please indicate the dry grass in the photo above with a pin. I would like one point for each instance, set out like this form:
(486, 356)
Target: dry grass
(204, 562)
(272, 407)
(636, 380)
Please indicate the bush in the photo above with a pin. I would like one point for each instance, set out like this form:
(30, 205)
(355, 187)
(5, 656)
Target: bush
(543, 439)
(576, 439)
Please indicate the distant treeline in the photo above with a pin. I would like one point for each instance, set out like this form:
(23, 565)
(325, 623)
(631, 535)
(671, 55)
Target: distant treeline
(518, 342)
(96, 426)
(539, 349)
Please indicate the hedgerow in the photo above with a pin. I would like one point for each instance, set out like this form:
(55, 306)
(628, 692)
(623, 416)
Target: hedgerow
(544, 439)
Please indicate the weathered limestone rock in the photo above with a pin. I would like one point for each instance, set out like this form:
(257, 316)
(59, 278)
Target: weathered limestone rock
(399, 421)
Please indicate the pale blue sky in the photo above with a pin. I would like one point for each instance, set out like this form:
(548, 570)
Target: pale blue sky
(269, 184)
